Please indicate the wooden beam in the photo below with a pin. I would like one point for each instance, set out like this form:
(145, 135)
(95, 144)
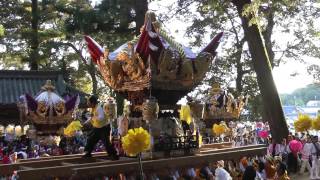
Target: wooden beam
(217, 145)
(209, 151)
(7, 169)
(25, 168)
(154, 165)
(67, 164)
(98, 154)
(62, 171)
(101, 160)
(66, 167)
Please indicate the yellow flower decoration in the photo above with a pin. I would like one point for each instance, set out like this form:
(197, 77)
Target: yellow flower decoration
(185, 114)
(200, 139)
(316, 123)
(70, 130)
(136, 141)
(219, 129)
(303, 123)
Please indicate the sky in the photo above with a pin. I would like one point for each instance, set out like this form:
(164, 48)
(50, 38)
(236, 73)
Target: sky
(285, 82)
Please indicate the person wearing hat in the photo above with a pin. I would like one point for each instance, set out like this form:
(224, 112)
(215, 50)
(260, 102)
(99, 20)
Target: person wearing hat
(100, 131)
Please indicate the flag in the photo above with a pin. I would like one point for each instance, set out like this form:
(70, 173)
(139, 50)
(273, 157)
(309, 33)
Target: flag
(95, 50)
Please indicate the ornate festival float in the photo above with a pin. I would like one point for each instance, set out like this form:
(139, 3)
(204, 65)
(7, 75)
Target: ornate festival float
(154, 72)
(47, 112)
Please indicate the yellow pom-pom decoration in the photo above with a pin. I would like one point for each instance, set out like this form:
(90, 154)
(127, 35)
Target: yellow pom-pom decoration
(185, 114)
(71, 129)
(136, 141)
(303, 123)
(219, 129)
(316, 123)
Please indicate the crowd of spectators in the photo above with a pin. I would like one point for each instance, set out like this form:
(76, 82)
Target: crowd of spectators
(297, 154)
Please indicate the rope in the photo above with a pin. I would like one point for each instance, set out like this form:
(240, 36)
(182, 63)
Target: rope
(172, 43)
(150, 110)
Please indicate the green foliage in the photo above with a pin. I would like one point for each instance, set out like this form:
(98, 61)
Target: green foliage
(60, 30)
(301, 96)
(1, 30)
(252, 10)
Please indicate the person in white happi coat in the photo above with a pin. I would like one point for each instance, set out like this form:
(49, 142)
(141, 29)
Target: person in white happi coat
(284, 150)
(237, 142)
(221, 173)
(306, 152)
(274, 149)
(315, 150)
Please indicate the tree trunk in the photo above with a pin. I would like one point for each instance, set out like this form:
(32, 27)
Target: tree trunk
(239, 66)
(64, 70)
(272, 104)
(141, 7)
(92, 72)
(124, 15)
(34, 42)
(239, 77)
(120, 103)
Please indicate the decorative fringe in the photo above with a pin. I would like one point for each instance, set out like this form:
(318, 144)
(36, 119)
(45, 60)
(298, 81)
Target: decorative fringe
(172, 42)
(150, 110)
(185, 114)
(110, 109)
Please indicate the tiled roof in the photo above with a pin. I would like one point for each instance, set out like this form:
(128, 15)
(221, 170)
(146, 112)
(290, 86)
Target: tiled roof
(15, 83)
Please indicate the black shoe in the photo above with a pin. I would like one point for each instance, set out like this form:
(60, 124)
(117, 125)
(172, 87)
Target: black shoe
(114, 158)
(87, 155)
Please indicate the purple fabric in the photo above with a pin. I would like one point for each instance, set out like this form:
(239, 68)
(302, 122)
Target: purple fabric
(71, 103)
(32, 104)
(67, 97)
(213, 45)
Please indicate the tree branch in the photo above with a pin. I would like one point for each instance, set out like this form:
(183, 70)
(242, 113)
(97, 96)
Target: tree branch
(234, 30)
(74, 48)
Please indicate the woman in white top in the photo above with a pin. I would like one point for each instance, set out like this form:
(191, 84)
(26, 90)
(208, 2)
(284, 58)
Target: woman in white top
(306, 153)
(274, 149)
(221, 173)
